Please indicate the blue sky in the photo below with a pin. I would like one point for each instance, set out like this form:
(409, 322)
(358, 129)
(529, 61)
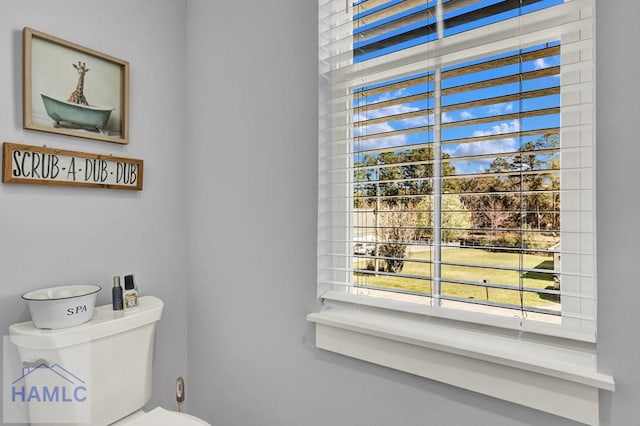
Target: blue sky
(496, 127)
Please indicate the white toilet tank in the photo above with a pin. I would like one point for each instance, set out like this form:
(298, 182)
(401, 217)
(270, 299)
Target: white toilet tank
(113, 351)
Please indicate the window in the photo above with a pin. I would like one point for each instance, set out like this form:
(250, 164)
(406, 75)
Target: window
(456, 176)
(459, 151)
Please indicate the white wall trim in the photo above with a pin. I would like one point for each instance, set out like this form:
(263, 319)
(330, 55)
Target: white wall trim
(557, 379)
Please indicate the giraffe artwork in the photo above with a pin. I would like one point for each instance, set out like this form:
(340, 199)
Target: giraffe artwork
(59, 99)
(77, 97)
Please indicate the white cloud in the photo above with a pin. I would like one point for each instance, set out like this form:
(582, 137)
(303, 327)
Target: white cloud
(466, 115)
(423, 120)
(500, 108)
(494, 146)
(383, 127)
(372, 129)
(381, 142)
(540, 63)
(504, 127)
(389, 112)
(479, 165)
(491, 146)
(384, 112)
(446, 118)
(382, 97)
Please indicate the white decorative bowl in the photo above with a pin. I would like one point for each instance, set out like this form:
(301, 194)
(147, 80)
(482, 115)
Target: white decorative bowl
(62, 307)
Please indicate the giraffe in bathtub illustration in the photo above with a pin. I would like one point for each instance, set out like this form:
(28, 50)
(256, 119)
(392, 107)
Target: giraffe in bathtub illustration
(76, 112)
(77, 97)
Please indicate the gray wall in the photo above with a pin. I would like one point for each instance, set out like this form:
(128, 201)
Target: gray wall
(236, 232)
(56, 235)
(618, 192)
(252, 100)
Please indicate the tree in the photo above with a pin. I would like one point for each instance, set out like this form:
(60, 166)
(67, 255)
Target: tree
(397, 230)
(539, 162)
(518, 191)
(455, 222)
(399, 177)
(456, 219)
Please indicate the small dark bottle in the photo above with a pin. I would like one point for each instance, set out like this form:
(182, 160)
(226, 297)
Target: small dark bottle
(116, 295)
(130, 292)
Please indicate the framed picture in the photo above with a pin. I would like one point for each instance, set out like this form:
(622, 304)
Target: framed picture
(73, 90)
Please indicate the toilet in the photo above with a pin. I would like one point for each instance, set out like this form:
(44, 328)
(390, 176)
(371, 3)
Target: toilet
(95, 374)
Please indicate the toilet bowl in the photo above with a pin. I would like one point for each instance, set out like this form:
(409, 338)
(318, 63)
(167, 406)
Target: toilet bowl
(160, 417)
(92, 356)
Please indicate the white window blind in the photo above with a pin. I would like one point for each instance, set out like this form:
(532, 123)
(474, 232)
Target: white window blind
(456, 160)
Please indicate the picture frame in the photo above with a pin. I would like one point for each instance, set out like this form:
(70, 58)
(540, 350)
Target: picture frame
(73, 90)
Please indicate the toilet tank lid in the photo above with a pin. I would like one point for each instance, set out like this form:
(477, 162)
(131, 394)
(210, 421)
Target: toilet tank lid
(105, 322)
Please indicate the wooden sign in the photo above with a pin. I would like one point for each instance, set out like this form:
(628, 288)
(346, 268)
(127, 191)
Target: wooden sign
(50, 166)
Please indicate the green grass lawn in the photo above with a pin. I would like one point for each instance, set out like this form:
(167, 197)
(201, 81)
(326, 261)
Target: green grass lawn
(474, 257)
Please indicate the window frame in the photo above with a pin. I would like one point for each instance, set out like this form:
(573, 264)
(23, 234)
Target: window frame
(551, 370)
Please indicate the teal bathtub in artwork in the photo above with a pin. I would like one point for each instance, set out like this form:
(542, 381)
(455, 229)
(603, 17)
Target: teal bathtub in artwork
(88, 117)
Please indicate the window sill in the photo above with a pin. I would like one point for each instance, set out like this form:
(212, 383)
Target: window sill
(550, 375)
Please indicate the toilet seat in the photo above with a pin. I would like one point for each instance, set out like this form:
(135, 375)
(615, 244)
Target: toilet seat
(161, 417)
